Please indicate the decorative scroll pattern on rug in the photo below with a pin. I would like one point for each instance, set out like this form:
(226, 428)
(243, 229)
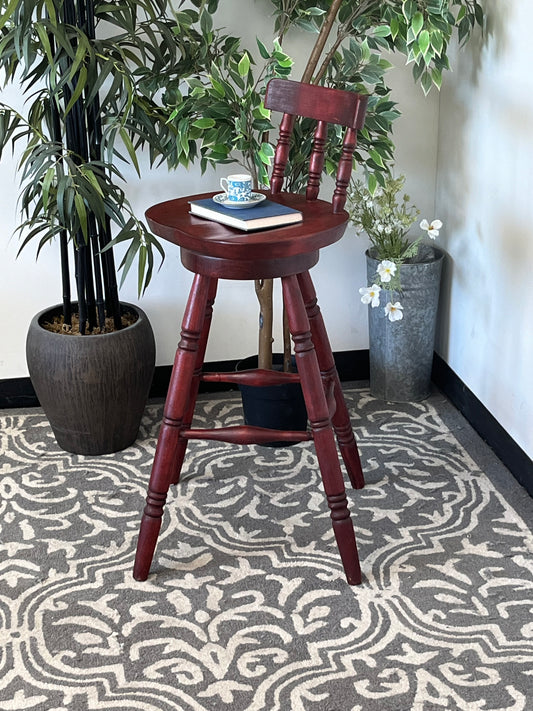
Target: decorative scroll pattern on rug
(246, 606)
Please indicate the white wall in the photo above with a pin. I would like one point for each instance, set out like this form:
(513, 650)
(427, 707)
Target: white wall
(484, 194)
(26, 288)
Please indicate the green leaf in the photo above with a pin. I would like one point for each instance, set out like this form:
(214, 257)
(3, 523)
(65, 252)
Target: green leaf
(45, 41)
(141, 267)
(372, 183)
(244, 65)
(267, 149)
(82, 216)
(50, 8)
(81, 52)
(204, 123)
(307, 25)
(218, 87)
(424, 42)
(263, 112)
(206, 23)
(412, 249)
(365, 50)
(409, 8)
(382, 31)
(263, 51)
(437, 42)
(426, 82)
(417, 23)
(131, 149)
(80, 86)
(376, 157)
(436, 77)
(6, 14)
(127, 261)
(47, 182)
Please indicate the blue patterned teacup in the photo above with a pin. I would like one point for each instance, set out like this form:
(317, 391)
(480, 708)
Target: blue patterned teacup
(238, 188)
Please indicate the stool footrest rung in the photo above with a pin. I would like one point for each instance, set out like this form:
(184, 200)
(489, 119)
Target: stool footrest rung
(255, 377)
(246, 434)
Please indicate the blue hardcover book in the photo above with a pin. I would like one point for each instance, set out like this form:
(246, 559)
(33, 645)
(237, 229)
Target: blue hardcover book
(266, 214)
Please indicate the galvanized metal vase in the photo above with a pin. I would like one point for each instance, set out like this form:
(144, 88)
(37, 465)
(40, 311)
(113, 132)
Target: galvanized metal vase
(401, 352)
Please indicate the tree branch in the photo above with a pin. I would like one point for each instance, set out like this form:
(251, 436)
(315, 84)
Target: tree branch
(321, 41)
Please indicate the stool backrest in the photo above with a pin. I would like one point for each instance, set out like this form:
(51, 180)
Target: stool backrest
(326, 106)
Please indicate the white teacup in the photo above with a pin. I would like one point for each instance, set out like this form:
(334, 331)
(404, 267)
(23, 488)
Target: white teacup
(238, 188)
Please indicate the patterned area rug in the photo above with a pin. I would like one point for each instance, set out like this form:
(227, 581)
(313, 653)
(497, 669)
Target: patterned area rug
(246, 606)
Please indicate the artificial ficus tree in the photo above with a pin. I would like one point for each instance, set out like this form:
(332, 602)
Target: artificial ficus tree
(219, 116)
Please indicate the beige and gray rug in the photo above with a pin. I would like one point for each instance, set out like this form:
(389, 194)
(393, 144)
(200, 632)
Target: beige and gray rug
(246, 607)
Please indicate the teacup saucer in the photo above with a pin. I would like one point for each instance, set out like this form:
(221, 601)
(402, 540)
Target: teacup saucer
(255, 199)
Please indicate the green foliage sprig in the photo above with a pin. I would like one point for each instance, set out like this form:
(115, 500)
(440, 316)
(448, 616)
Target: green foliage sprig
(385, 216)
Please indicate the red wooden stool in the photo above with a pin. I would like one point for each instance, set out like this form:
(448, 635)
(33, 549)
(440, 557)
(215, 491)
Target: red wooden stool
(213, 251)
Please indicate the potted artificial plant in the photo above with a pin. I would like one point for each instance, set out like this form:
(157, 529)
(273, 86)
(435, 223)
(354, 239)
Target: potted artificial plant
(217, 110)
(91, 358)
(402, 292)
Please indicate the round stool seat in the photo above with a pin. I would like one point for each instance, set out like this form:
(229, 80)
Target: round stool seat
(216, 250)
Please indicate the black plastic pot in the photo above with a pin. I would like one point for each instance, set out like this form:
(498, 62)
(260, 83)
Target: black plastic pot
(93, 389)
(278, 407)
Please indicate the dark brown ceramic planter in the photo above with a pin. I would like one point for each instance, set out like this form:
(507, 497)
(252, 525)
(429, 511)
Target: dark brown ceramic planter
(93, 389)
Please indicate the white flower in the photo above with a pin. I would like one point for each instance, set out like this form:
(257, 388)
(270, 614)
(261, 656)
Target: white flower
(386, 270)
(431, 228)
(370, 295)
(394, 311)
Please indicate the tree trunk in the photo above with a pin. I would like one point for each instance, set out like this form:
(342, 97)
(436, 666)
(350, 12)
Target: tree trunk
(264, 287)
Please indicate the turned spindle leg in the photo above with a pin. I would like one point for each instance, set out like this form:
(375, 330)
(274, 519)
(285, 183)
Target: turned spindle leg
(170, 446)
(323, 436)
(341, 418)
(195, 382)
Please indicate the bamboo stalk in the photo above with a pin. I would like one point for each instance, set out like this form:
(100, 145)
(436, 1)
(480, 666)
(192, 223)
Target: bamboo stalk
(63, 237)
(86, 252)
(106, 262)
(80, 257)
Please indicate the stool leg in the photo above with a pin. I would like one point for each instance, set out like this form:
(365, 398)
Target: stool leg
(195, 382)
(323, 436)
(341, 418)
(170, 447)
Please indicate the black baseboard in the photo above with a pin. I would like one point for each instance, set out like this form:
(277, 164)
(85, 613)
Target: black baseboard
(352, 366)
(488, 428)
(17, 392)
